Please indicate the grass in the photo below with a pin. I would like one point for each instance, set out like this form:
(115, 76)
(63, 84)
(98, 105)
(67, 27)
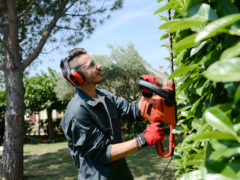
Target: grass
(48, 161)
(53, 161)
(147, 165)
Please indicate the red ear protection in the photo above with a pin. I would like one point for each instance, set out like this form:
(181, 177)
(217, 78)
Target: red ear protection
(74, 76)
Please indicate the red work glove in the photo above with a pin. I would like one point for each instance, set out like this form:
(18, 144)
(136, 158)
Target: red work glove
(151, 79)
(152, 135)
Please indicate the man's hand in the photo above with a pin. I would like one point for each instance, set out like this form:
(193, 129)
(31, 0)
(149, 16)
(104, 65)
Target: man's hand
(152, 135)
(151, 79)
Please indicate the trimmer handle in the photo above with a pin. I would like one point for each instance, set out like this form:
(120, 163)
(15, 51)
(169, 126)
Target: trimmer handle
(172, 144)
(160, 89)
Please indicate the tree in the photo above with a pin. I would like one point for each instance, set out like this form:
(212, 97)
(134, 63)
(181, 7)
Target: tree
(206, 49)
(25, 27)
(40, 95)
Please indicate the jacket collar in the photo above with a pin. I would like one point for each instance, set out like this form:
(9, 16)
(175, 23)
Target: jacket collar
(88, 99)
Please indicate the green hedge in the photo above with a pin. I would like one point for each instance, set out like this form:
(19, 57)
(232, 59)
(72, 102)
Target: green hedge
(206, 47)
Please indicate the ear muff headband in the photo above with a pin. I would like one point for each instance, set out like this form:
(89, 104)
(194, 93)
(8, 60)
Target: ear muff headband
(75, 77)
(65, 62)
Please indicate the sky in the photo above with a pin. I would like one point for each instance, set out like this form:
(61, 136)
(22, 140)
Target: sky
(134, 23)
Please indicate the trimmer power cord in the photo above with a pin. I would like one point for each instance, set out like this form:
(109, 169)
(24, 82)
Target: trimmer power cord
(166, 166)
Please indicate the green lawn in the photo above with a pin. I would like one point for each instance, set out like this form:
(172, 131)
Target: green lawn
(146, 164)
(53, 161)
(48, 161)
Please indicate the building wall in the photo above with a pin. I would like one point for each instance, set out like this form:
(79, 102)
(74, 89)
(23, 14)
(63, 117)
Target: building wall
(37, 118)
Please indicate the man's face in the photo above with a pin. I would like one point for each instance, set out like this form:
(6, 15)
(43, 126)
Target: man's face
(90, 69)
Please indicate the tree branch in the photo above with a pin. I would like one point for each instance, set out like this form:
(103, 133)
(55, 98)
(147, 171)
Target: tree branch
(101, 9)
(70, 6)
(68, 28)
(170, 43)
(21, 16)
(45, 35)
(87, 14)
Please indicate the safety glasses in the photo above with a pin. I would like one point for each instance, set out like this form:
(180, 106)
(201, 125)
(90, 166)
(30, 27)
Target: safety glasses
(88, 66)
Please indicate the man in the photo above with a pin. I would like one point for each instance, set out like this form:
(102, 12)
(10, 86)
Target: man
(91, 123)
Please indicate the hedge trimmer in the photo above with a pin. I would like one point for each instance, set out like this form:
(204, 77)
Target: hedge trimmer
(160, 108)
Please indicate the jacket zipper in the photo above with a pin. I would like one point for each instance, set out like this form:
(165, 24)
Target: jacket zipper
(102, 100)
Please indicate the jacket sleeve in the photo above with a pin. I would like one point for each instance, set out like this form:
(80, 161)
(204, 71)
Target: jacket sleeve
(128, 110)
(90, 140)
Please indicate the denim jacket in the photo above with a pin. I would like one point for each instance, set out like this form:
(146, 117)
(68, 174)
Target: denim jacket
(91, 131)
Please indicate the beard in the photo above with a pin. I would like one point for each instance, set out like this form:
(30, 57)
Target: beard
(99, 81)
(95, 79)
(100, 76)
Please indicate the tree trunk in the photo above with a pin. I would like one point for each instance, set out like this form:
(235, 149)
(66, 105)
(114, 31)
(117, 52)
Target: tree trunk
(50, 125)
(14, 120)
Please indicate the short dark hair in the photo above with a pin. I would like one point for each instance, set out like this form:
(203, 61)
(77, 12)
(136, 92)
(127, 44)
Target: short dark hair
(72, 55)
